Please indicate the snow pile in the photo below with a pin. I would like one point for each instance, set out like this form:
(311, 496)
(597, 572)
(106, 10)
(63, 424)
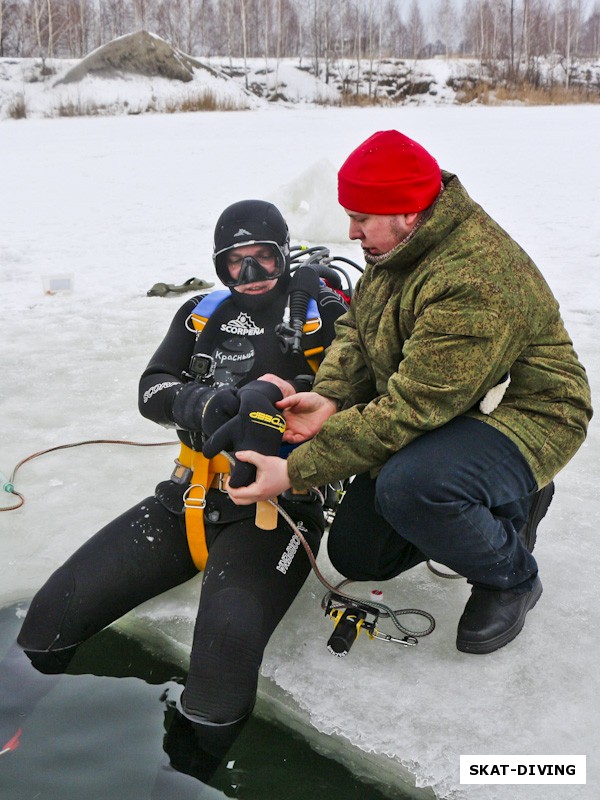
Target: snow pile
(309, 204)
(122, 203)
(140, 53)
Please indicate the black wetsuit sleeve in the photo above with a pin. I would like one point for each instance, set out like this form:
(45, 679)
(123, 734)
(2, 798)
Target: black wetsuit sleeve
(163, 377)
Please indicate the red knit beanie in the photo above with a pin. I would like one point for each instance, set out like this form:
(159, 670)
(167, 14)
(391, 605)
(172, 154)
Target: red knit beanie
(388, 174)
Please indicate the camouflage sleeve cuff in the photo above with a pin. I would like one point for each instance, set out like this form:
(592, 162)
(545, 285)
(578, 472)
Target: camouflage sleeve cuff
(302, 469)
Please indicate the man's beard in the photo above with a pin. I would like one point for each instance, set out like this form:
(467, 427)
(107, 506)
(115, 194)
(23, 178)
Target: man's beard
(371, 258)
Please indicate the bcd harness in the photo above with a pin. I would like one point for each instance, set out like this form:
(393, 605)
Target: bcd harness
(212, 473)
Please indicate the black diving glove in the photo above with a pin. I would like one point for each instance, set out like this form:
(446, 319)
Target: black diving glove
(220, 408)
(188, 405)
(258, 426)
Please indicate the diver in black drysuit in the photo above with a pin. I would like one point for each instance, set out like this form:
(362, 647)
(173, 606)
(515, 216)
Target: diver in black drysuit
(144, 552)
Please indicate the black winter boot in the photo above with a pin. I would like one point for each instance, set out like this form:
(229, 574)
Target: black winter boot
(539, 505)
(493, 618)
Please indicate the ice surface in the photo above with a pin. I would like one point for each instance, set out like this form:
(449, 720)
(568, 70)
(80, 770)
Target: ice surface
(122, 203)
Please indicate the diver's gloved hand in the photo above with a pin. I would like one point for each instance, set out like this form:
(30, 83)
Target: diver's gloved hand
(188, 405)
(221, 407)
(258, 426)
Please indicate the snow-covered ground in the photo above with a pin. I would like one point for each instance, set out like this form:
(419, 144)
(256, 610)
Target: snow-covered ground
(33, 88)
(120, 203)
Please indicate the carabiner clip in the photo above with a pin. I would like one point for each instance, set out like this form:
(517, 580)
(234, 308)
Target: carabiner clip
(407, 641)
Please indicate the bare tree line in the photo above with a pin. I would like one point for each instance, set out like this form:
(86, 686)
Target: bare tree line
(514, 33)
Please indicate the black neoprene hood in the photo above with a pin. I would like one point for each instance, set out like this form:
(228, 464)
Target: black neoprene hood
(250, 222)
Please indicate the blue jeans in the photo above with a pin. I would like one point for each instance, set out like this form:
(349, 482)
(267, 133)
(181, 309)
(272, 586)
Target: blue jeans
(457, 495)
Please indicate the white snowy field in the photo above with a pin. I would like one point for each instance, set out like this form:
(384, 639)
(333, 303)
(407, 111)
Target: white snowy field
(120, 203)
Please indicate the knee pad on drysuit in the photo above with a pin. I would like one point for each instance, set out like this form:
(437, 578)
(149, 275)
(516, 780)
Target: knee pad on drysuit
(225, 660)
(40, 630)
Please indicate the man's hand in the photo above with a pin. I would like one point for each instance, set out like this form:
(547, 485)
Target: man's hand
(305, 413)
(271, 478)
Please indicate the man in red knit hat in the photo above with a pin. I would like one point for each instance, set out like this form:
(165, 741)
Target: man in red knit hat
(451, 391)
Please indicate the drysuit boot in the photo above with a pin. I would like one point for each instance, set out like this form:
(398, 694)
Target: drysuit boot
(195, 748)
(492, 618)
(186, 753)
(537, 511)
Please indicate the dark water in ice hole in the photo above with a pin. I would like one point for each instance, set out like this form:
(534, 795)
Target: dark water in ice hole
(98, 736)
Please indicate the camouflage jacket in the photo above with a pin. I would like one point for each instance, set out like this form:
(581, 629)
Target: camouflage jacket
(429, 332)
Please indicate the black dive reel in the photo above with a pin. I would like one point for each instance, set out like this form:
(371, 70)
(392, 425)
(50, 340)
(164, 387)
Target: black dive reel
(308, 267)
(352, 616)
(349, 621)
